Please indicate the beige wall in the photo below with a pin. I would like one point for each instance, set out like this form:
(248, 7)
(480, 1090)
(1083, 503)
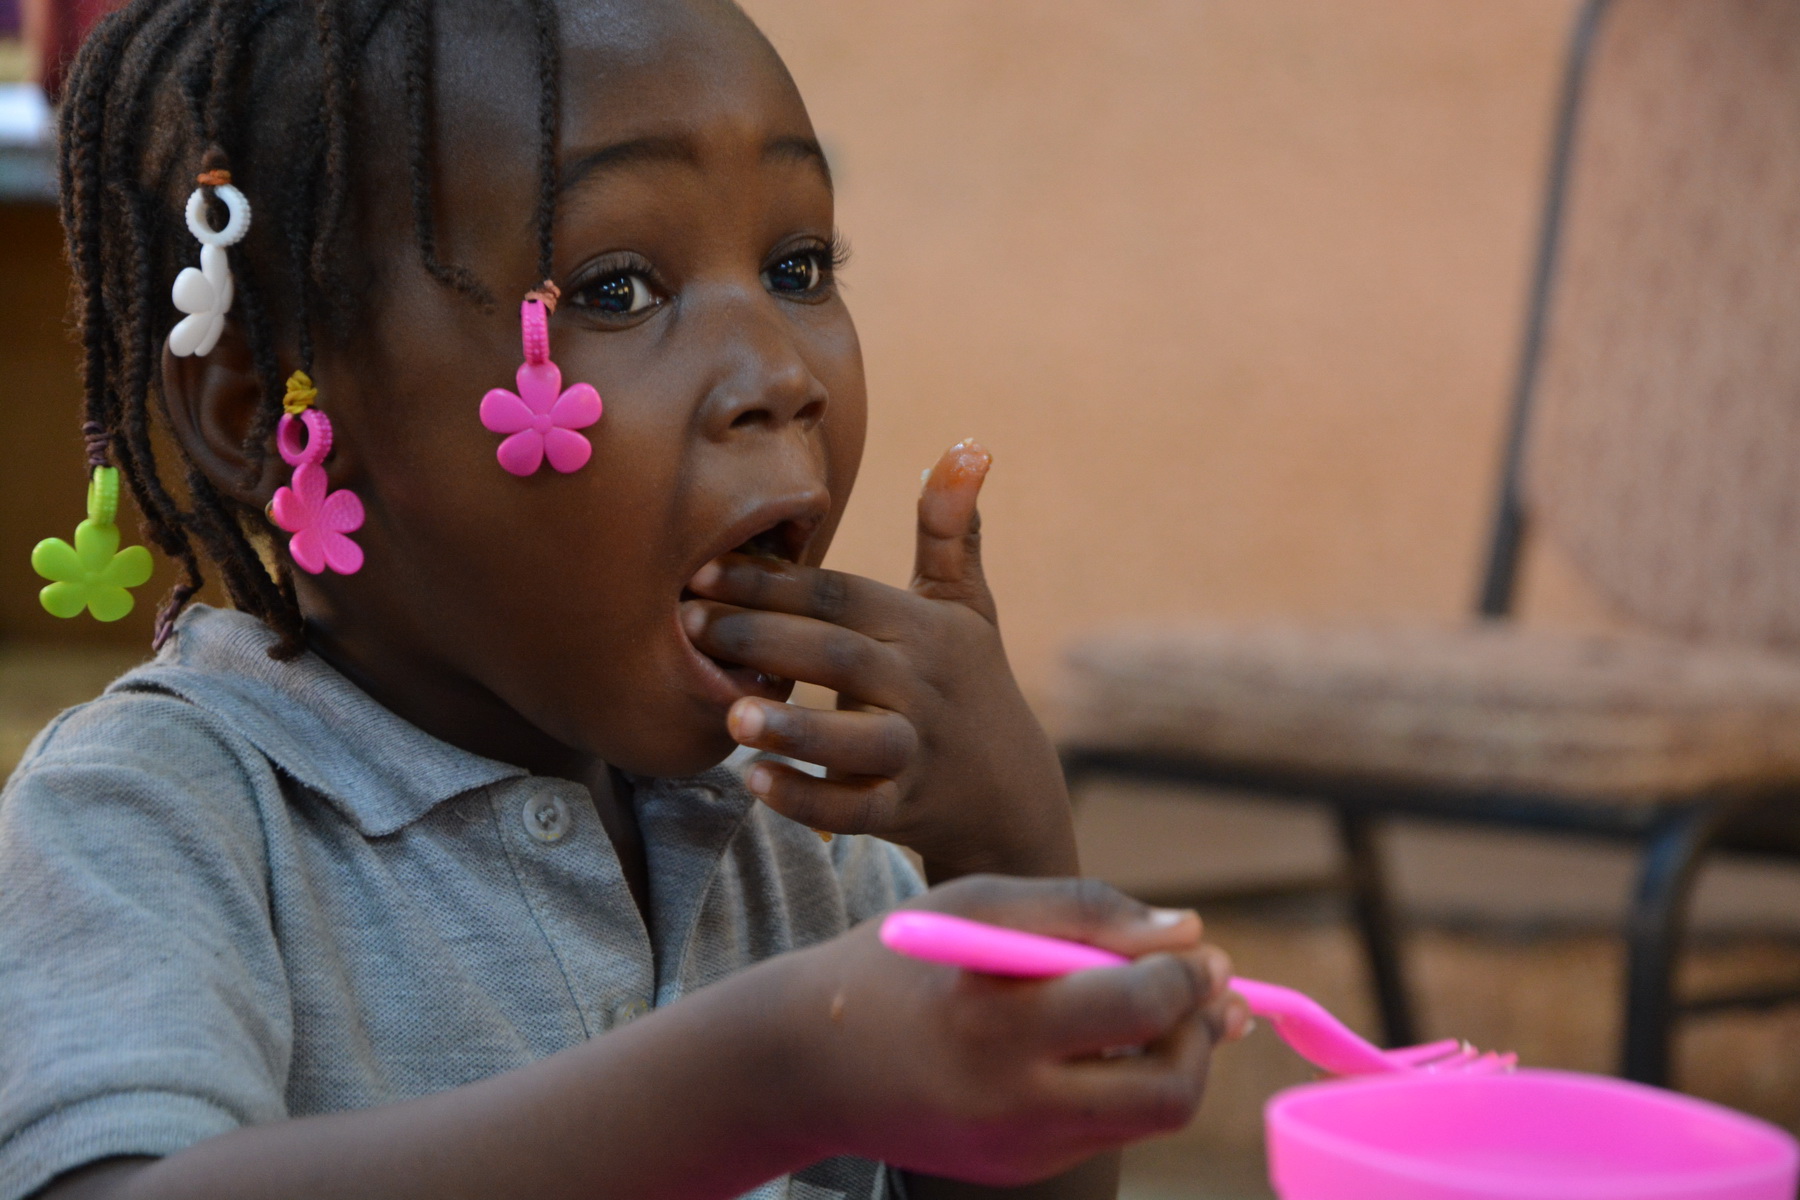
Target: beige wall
(1233, 290)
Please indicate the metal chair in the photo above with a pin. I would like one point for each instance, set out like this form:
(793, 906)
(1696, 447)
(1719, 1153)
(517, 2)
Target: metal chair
(1655, 435)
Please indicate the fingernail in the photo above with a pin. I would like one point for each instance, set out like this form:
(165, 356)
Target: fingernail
(1163, 918)
(707, 576)
(971, 462)
(925, 477)
(746, 720)
(759, 780)
(693, 619)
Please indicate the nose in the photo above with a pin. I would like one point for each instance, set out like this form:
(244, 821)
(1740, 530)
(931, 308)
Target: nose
(762, 380)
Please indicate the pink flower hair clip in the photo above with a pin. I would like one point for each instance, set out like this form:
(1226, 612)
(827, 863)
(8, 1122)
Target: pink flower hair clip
(541, 418)
(320, 519)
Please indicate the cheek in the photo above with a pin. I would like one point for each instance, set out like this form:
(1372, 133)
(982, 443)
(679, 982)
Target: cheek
(506, 562)
(558, 545)
(557, 592)
(837, 362)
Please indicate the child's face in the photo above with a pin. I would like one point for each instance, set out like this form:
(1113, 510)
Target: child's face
(528, 616)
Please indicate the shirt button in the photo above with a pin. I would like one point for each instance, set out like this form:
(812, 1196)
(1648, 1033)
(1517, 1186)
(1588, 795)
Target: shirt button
(546, 817)
(629, 1012)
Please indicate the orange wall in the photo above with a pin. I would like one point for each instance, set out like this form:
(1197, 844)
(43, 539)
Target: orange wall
(1232, 289)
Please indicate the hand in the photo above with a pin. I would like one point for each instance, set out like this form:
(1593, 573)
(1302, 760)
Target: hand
(1007, 1081)
(932, 746)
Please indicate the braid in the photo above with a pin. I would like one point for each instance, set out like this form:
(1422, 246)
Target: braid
(298, 218)
(162, 515)
(82, 126)
(100, 131)
(544, 16)
(215, 521)
(333, 46)
(196, 87)
(228, 19)
(211, 520)
(418, 147)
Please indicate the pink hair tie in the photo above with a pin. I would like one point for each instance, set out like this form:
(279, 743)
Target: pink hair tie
(319, 518)
(541, 418)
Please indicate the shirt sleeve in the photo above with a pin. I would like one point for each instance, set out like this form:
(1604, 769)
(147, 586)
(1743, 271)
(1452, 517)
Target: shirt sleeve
(144, 998)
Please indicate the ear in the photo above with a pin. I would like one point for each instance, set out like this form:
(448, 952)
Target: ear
(212, 402)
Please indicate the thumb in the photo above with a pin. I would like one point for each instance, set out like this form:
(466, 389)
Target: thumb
(1082, 910)
(948, 562)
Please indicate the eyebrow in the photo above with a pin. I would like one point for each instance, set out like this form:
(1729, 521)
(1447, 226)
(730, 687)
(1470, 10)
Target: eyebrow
(799, 149)
(681, 152)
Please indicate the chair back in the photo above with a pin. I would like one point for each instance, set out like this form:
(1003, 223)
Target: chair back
(1662, 447)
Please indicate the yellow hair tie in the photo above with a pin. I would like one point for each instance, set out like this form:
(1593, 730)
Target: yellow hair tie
(300, 394)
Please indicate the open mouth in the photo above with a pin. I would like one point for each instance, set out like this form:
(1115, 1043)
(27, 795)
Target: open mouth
(782, 542)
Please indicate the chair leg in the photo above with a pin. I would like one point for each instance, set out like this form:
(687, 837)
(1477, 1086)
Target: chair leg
(1653, 932)
(1375, 922)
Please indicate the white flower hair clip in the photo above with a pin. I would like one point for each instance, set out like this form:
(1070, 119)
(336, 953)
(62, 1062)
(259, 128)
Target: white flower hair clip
(205, 293)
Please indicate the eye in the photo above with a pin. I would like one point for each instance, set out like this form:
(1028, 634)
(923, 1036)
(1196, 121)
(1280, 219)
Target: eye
(618, 294)
(799, 273)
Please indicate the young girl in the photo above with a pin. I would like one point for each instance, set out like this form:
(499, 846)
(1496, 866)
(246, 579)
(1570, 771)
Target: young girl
(414, 875)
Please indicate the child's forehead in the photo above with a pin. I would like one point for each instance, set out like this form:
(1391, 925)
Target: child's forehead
(635, 67)
(700, 50)
(645, 30)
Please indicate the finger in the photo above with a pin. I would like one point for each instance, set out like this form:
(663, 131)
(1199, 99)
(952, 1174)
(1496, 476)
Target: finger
(857, 805)
(1083, 910)
(797, 648)
(1229, 1017)
(947, 565)
(1214, 968)
(1089, 1012)
(1136, 1096)
(1157, 1091)
(850, 742)
(1144, 1003)
(830, 596)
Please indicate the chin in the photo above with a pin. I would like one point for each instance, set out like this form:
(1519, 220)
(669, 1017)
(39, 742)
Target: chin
(677, 749)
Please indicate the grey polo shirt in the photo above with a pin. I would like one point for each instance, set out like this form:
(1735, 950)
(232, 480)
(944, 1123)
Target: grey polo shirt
(234, 890)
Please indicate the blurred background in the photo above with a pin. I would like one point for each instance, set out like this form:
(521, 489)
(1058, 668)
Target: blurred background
(1235, 290)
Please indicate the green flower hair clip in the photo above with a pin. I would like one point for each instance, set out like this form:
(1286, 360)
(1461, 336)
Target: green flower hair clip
(93, 573)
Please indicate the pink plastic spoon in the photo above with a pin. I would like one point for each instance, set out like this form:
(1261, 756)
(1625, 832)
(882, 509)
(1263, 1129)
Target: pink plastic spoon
(1302, 1022)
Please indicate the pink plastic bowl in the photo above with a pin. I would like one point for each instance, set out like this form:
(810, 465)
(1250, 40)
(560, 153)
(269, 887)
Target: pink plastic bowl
(1531, 1135)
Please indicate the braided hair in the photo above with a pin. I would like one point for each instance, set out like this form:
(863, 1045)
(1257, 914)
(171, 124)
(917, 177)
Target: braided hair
(266, 89)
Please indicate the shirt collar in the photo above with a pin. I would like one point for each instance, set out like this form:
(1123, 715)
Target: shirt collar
(379, 770)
